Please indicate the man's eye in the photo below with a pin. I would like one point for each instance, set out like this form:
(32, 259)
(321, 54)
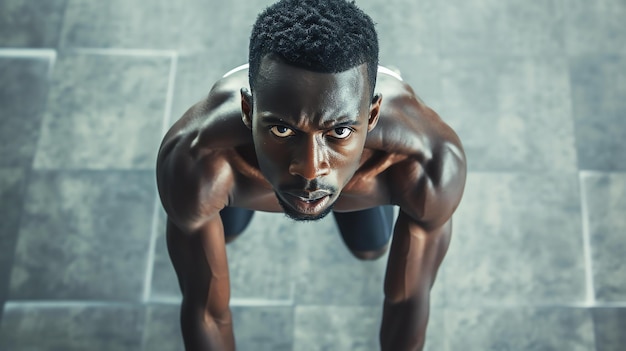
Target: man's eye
(282, 131)
(340, 133)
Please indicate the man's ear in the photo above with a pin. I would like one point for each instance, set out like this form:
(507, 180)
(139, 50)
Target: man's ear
(374, 111)
(246, 107)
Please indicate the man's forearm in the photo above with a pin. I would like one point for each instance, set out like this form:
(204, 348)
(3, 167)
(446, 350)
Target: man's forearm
(203, 333)
(414, 259)
(404, 324)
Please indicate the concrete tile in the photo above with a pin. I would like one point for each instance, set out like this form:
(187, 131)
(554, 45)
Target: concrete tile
(84, 235)
(164, 281)
(72, 328)
(195, 75)
(264, 328)
(511, 114)
(605, 203)
(104, 111)
(263, 261)
(423, 74)
(517, 240)
(31, 23)
(352, 328)
(162, 331)
(519, 328)
(122, 24)
(407, 30)
(23, 97)
(327, 273)
(11, 199)
(609, 326)
(226, 35)
(598, 90)
(256, 328)
(593, 27)
(337, 328)
(490, 27)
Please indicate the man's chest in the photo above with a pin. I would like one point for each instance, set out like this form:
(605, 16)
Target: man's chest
(368, 187)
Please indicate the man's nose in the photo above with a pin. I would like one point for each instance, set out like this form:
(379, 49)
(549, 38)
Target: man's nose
(310, 160)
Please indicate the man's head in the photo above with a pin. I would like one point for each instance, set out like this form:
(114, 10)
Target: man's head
(326, 36)
(311, 76)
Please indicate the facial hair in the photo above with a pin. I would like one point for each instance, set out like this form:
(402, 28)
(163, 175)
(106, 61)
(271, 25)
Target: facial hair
(297, 216)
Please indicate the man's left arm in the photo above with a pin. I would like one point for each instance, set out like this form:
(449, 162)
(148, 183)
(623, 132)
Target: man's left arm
(414, 259)
(420, 241)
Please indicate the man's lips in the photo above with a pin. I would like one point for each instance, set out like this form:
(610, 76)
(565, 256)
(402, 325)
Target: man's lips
(309, 196)
(308, 202)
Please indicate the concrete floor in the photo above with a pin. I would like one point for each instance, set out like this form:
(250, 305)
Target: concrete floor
(536, 90)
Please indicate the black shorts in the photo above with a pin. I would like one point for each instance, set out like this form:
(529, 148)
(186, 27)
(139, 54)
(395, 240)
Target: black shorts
(365, 230)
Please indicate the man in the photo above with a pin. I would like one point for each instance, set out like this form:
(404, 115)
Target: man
(312, 127)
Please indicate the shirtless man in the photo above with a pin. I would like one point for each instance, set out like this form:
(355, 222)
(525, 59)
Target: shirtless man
(313, 126)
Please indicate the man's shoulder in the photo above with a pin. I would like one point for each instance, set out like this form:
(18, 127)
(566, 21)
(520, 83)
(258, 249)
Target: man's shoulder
(429, 182)
(196, 154)
(429, 187)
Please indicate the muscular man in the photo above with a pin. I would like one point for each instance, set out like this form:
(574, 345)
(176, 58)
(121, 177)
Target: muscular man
(313, 126)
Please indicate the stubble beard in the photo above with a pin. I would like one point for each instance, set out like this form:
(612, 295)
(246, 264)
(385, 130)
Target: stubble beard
(300, 217)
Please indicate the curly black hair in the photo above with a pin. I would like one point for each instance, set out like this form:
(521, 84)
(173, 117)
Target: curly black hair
(326, 36)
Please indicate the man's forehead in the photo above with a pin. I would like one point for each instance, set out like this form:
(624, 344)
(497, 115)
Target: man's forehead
(286, 89)
(298, 96)
(274, 70)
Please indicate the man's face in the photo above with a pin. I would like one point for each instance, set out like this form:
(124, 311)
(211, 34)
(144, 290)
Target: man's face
(309, 131)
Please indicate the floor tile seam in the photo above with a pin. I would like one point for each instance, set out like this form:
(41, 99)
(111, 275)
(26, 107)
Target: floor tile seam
(51, 304)
(129, 52)
(156, 207)
(28, 53)
(94, 170)
(32, 53)
(598, 173)
(234, 302)
(582, 304)
(527, 172)
(169, 97)
(147, 284)
(586, 237)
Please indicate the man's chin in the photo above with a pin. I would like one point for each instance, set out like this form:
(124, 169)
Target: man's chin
(296, 216)
(299, 216)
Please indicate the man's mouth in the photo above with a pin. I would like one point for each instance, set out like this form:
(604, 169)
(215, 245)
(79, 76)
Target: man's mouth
(308, 202)
(309, 196)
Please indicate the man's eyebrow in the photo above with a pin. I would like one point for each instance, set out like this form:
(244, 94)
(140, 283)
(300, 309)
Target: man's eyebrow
(271, 119)
(345, 121)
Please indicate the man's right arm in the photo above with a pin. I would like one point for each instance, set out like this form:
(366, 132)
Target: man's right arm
(192, 199)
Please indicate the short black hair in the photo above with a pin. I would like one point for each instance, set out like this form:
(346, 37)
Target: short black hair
(328, 36)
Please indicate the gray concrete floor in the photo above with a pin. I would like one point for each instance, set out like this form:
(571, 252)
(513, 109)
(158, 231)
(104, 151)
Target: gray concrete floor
(536, 90)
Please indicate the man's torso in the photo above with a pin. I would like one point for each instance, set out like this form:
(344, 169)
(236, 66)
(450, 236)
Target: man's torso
(409, 135)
